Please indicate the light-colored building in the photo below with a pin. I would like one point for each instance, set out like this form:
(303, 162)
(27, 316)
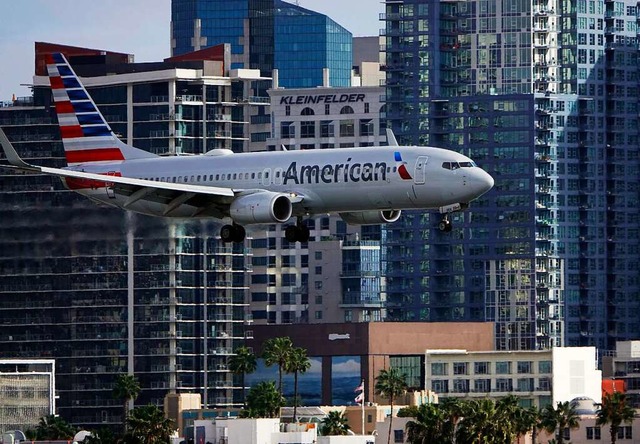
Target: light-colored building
(539, 378)
(624, 364)
(27, 392)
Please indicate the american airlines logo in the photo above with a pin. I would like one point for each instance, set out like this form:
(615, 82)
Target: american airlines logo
(339, 172)
(322, 98)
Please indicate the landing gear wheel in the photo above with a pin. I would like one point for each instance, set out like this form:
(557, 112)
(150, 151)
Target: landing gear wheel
(232, 233)
(239, 233)
(291, 233)
(445, 225)
(303, 233)
(226, 233)
(297, 233)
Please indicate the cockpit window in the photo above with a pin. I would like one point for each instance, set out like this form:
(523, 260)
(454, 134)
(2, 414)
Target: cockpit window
(456, 165)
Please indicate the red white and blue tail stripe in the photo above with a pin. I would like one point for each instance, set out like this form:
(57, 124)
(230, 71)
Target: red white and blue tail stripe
(86, 135)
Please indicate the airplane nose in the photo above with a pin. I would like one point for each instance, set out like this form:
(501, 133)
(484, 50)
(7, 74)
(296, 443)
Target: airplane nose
(483, 182)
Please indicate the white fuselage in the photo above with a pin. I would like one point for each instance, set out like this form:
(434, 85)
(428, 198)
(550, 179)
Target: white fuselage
(328, 181)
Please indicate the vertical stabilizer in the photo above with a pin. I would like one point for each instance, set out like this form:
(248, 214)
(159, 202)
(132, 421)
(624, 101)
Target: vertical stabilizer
(86, 135)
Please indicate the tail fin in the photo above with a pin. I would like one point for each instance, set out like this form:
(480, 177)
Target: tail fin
(86, 135)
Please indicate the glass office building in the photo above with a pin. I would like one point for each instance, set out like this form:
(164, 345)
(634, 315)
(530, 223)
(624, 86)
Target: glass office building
(104, 292)
(544, 95)
(267, 35)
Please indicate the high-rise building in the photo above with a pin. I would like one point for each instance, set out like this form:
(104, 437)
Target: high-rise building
(267, 35)
(544, 95)
(104, 292)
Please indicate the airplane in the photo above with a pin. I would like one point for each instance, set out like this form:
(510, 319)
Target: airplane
(364, 185)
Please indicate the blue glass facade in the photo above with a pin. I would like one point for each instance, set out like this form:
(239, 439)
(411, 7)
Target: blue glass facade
(544, 96)
(267, 35)
(305, 43)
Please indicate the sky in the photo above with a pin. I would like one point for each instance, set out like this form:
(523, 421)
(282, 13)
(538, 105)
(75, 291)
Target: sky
(138, 27)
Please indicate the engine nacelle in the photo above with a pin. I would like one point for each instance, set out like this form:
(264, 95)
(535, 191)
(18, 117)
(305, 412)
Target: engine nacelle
(263, 207)
(371, 217)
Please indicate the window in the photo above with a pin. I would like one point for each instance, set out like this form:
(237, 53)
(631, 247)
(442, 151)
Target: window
(440, 386)
(439, 369)
(318, 270)
(593, 433)
(319, 299)
(366, 127)
(503, 368)
(318, 285)
(287, 110)
(318, 255)
(459, 368)
(347, 128)
(504, 385)
(544, 367)
(318, 314)
(366, 107)
(482, 368)
(524, 367)
(348, 316)
(307, 112)
(287, 130)
(327, 109)
(346, 110)
(308, 129)
(326, 128)
(461, 386)
(398, 435)
(482, 385)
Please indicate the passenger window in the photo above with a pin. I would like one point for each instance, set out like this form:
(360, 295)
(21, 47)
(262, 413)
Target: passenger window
(277, 173)
(253, 175)
(162, 179)
(217, 177)
(246, 176)
(179, 178)
(235, 175)
(193, 178)
(186, 179)
(174, 179)
(199, 177)
(266, 175)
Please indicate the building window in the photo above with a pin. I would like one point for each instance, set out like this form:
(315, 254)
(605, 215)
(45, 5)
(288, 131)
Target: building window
(318, 285)
(326, 128)
(307, 112)
(504, 385)
(460, 368)
(398, 435)
(366, 127)
(327, 109)
(319, 299)
(308, 129)
(318, 255)
(481, 368)
(346, 110)
(348, 316)
(319, 314)
(503, 368)
(593, 433)
(287, 130)
(440, 386)
(439, 369)
(318, 271)
(544, 367)
(524, 367)
(287, 110)
(347, 128)
(366, 107)
(482, 385)
(461, 386)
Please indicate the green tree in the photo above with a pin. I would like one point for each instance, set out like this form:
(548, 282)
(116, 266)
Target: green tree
(479, 423)
(432, 425)
(147, 425)
(263, 401)
(454, 408)
(50, 428)
(390, 384)
(243, 363)
(335, 423)
(614, 410)
(277, 351)
(297, 363)
(558, 419)
(126, 388)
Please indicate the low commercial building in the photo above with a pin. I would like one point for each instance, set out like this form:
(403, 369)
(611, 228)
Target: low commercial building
(538, 378)
(624, 365)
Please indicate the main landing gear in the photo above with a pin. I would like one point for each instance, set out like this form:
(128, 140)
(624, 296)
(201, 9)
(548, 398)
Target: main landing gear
(232, 233)
(298, 232)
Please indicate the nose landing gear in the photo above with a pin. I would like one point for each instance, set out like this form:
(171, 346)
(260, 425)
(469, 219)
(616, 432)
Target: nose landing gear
(445, 224)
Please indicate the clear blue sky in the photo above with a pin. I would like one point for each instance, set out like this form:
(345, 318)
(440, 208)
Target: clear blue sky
(138, 27)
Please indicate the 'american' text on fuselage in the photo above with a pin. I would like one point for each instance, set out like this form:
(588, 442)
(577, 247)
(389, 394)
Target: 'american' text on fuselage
(340, 172)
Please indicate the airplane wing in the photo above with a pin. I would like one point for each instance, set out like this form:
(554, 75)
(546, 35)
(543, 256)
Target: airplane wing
(209, 201)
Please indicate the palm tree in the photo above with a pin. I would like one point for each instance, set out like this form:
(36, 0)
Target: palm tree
(454, 408)
(558, 419)
(242, 363)
(263, 401)
(52, 427)
(335, 423)
(614, 410)
(126, 388)
(277, 351)
(297, 363)
(432, 424)
(390, 384)
(147, 425)
(480, 423)
(519, 421)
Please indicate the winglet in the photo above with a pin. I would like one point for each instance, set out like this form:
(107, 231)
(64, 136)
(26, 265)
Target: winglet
(391, 138)
(12, 155)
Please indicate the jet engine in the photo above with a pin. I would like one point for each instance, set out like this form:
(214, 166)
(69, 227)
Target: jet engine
(260, 208)
(371, 217)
